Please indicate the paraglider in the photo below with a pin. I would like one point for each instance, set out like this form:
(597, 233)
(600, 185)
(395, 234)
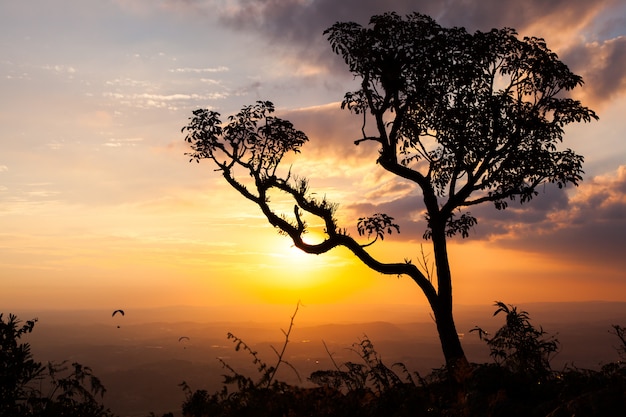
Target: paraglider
(180, 339)
(115, 312)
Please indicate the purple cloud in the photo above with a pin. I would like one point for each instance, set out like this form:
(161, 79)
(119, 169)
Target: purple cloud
(602, 65)
(295, 27)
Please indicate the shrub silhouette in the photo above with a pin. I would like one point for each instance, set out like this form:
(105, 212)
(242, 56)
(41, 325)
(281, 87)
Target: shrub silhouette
(73, 390)
(519, 383)
(518, 345)
(620, 333)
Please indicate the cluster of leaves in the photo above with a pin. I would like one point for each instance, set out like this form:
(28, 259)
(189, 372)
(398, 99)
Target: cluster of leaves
(377, 225)
(521, 382)
(620, 333)
(518, 345)
(252, 138)
(70, 391)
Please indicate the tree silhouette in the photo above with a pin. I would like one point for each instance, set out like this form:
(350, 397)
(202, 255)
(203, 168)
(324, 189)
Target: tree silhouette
(73, 390)
(467, 118)
(17, 368)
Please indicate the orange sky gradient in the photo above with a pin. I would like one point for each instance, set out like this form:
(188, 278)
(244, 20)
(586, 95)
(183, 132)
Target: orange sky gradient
(100, 208)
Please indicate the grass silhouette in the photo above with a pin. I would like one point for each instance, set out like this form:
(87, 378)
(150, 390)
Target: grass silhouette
(519, 382)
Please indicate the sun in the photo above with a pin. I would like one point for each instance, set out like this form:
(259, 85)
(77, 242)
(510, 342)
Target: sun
(277, 272)
(295, 256)
(292, 259)
(287, 269)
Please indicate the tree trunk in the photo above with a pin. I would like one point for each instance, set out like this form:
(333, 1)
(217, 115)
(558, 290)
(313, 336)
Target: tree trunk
(456, 361)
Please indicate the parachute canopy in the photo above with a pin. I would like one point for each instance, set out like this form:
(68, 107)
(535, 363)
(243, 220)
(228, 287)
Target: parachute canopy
(117, 311)
(183, 338)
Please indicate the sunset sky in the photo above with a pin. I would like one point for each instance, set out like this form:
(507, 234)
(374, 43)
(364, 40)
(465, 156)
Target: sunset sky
(99, 206)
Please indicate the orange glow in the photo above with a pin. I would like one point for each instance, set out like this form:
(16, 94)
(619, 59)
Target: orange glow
(284, 274)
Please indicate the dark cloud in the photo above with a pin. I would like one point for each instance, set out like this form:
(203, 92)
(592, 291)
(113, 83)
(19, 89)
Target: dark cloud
(303, 21)
(590, 223)
(590, 227)
(485, 15)
(295, 27)
(603, 67)
(407, 212)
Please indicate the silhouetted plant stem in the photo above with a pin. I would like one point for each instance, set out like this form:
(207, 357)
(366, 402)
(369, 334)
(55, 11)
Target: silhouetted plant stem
(281, 355)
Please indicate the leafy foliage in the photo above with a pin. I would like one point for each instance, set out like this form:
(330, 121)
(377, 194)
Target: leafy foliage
(252, 138)
(74, 390)
(17, 367)
(470, 114)
(372, 373)
(377, 225)
(518, 345)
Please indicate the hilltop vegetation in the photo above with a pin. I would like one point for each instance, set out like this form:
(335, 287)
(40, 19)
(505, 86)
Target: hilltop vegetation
(518, 382)
(29, 388)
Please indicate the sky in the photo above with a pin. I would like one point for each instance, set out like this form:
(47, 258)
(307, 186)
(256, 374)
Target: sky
(100, 207)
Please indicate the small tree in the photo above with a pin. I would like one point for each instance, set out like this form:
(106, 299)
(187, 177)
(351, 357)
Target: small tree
(467, 118)
(73, 391)
(518, 345)
(18, 370)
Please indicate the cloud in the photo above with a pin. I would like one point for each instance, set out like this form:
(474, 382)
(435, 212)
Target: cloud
(302, 22)
(590, 225)
(120, 142)
(586, 227)
(200, 70)
(553, 17)
(601, 63)
(60, 69)
(331, 131)
(297, 26)
(162, 101)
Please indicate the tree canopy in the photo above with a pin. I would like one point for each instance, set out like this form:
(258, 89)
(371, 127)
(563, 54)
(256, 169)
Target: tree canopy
(467, 118)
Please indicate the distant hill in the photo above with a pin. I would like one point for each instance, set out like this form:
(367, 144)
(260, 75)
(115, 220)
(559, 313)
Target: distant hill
(142, 362)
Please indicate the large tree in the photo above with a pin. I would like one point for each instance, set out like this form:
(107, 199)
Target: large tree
(467, 118)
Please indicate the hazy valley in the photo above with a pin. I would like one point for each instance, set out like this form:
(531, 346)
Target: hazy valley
(142, 362)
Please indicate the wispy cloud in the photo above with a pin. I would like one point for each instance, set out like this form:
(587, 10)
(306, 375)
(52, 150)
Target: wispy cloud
(60, 69)
(199, 70)
(162, 101)
(118, 143)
